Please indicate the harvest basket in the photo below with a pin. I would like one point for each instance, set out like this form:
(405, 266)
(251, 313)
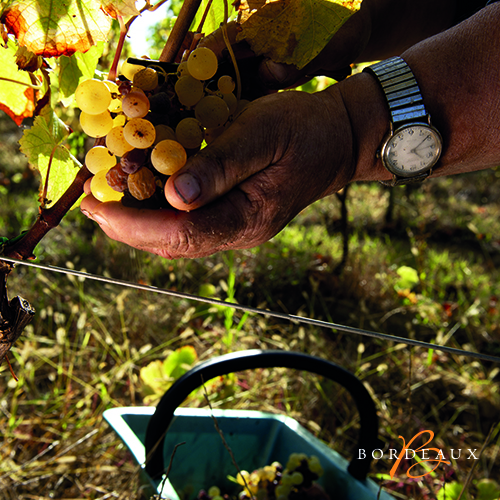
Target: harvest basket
(255, 438)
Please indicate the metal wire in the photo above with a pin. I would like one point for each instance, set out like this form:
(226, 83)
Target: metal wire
(255, 310)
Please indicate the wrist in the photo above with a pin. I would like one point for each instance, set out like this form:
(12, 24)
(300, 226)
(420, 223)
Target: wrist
(368, 117)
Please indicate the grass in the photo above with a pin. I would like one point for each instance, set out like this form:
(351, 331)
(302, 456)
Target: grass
(85, 349)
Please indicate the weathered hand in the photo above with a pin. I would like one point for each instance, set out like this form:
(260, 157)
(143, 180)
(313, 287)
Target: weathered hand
(334, 60)
(283, 152)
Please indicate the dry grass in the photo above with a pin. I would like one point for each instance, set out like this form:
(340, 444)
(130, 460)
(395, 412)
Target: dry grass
(84, 351)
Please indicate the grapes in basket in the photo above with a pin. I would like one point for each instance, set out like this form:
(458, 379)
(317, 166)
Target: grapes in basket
(296, 481)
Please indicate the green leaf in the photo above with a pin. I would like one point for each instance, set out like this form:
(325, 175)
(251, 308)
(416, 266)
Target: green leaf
(41, 141)
(293, 31)
(214, 18)
(408, 278)
(180, 361)
(16, 99)
(488, 489)
(75, 69)
(450, 491)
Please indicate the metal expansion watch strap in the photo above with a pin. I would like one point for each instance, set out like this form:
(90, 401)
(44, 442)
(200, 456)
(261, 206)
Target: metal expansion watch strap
(405, 103)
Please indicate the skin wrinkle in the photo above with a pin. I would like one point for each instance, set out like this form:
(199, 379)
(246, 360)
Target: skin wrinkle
(298, 148)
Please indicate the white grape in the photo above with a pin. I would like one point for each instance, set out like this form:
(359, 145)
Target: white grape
(202, 63)
(168, 157)
(139, 133)
(96, 125)
(135, 104)
(212, 111)
(101, 190)
(99, 158)
(116, 143)
(146, 79)
(226, 84)
(189, 132)
(93, 96)
(129, 70)
(188, 90)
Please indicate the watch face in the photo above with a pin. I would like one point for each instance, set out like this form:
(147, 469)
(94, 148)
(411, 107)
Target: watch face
(412, 150)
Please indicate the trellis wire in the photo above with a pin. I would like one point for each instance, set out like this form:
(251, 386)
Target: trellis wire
(255, 310)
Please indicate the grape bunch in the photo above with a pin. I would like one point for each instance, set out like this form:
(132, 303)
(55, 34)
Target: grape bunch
(150, 122)
(273, 482)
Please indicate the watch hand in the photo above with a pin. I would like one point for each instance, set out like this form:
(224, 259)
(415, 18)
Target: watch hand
(416, 147)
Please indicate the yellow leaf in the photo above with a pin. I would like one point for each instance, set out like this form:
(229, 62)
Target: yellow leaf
(124, 8)
(292, 31)
(54, 28)
(16, 99)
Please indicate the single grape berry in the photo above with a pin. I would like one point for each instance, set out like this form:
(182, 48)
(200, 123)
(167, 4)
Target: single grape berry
(164, 132)
(133, 160)
(168, 156)
(129, 70)
(139, 133)
(116, 143)
(202, 63)
(99, 158)
(226, 84)
(189, 132)
(160, 103)
(146, 79)
(117, 178)
(142, 184)
(96, 125)
(93, 96)
(101, 190)
(188, 90)
(212, 111)
(231, 101)
(135, 104)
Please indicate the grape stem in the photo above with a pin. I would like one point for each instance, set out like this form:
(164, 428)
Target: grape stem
(230, 50)
(113, 71)
(180, 29)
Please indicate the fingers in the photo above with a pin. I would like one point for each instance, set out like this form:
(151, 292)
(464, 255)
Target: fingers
(238, 220)
(251, 144)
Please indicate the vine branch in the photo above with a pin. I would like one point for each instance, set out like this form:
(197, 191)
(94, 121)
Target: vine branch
(180, 29)
(50, 218)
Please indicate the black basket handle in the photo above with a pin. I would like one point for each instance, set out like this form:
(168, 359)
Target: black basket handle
(251, 359)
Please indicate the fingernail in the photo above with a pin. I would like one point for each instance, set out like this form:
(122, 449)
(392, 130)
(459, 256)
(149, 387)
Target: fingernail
(99, 219)
(86, 213)
(187, 187)
(276, 71)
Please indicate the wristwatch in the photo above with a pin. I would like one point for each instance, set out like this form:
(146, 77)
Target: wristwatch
(412, 146)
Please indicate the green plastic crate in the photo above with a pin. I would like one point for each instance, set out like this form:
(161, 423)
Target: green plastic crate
(256, 438)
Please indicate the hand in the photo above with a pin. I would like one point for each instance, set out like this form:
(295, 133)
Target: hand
(283, 152)
(334, 60)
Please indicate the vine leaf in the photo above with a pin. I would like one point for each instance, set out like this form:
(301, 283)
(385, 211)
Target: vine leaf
(214, 18)
(18, 101)
(292, 31)
(124, 8)
(43, 141)
(71, 71)
(53, 28)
